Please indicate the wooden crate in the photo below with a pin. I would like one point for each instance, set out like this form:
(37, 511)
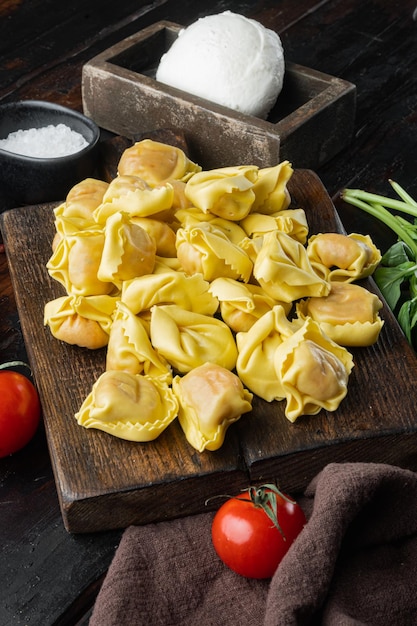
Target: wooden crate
(312, 120)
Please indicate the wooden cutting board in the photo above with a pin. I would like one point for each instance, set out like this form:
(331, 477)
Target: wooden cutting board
(106, 483)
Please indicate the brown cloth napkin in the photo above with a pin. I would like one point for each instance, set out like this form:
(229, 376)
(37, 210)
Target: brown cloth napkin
(354, 563)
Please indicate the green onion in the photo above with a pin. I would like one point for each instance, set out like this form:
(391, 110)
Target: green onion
(396, 275)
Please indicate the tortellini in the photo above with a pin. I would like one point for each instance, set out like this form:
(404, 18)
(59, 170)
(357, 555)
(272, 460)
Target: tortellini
(169, 287)
(312, 370)
(180, 200)
(156, 163)
(162, 234)
(128, 251)
(97, 260)
(233, 192)
(270, 188)
(293, 361)
(194, 217)
(134, 196)
(293, 222)
(86, 195)
(241, 305)
(82, 199)
(211, 398)
(349, 314)
(130, 406)
(338, 257)
(282, 268)
(255, 364)
(66, 226)
(130, 349)
(187, 340)
(79, 320)
(76, 261)
(208, 251)
(226, 192)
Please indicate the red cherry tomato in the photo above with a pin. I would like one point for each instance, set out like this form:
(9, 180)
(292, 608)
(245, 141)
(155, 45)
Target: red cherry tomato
(20, 411)
(253, 531)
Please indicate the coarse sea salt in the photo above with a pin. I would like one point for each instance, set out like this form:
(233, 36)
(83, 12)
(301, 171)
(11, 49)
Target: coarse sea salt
(44, 142)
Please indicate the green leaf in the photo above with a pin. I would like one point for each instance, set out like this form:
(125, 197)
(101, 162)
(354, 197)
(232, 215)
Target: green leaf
(404, 319)
(413, 314)
(412, 286)
(407, 318)
(397, 254)
(391, 279)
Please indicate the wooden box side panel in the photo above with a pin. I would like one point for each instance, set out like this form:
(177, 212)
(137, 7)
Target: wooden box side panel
(215, 139)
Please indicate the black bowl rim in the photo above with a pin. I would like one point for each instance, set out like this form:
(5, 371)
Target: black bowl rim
(51, 106)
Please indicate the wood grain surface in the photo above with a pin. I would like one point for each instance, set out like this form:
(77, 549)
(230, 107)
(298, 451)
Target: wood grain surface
(104, 482)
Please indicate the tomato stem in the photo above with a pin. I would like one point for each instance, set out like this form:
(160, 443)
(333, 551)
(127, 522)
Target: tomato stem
(265, 497)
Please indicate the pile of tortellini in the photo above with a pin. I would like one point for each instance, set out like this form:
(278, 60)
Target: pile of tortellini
(206, 288)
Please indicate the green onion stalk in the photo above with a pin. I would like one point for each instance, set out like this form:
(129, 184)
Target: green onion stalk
(396, 276)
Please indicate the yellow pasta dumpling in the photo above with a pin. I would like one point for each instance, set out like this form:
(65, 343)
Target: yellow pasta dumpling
(84, 321)
(242, 304)
(130, 349)
(338, 257)
(293, 222)
(75, 263)
(180, 200)
(189, 218)
(66, 226)
(208, 251)
(156, 162)
(256, 353)
(128, 251)
(77, 212)
(210, 398)
(270, 188)
(168, 287)
(349, 314)
(313, 371)
(282, 268)
(128, 406)
(226, 192)
(162, 234)
(132, 195)
(84, 197)
(187, 340)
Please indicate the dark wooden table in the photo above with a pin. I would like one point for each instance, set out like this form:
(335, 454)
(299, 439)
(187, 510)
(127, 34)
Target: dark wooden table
(48, 576)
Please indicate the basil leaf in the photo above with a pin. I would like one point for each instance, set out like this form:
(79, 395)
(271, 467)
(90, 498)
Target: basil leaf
(407, 318)
(397, 254)
(391, 279)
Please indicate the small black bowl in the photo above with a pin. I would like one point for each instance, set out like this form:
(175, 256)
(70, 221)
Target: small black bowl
(31, 180)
